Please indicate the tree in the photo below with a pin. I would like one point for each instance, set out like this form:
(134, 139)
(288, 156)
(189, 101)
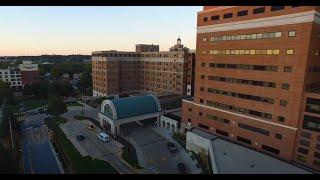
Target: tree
(85, 83)
(56, 106)
(55, 73)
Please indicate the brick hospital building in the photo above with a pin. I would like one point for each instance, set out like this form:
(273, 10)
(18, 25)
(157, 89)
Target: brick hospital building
(148, 69)
(257, 79)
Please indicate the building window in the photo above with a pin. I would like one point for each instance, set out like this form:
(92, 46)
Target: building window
(313, 105)
(228, 15)
(189, 120)
(270, 149)
(283, 103)
(254, 129)
(305, 134)
(204, 52)
(301, 158)
(203, 126)
(202, 76)
(214, 18)
(276, 8)
(204, 39)
(287, 69)
(201, 88)
(292, 33)
(201, 100)
(259, 10)
(304, 142)
(303, 151)
(190, 109)
(205, 19)
(316, 163)
(290, 51)
(200, 113)
(311, 123)
(281, 118)
(285, 86)
(244, 140)
(242, 96)
(278, 136)
(223, 133)
(242, 13)
(203, 64)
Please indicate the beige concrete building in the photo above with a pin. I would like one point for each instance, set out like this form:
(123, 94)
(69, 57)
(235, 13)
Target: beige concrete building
(116, 73)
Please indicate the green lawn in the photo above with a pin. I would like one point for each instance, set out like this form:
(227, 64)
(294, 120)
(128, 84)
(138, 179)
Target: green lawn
(33, 104)
(81, 164)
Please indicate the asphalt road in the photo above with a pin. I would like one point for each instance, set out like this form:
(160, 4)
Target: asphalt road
(39, 156)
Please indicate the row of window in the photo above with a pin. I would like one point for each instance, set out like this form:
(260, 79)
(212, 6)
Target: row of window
(242, 96)
(252, 36)
(248, 82)
(218, 119)
(313, 105)
(180, 55)
(245, 13)
(311, 123)
(240, 110)
(248, 52)
(314, 69)
(248, 67)
(245, 140)
(306, 152)
(243, 81)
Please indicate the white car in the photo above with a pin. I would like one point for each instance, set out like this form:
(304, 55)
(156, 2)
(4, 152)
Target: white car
(103, 137)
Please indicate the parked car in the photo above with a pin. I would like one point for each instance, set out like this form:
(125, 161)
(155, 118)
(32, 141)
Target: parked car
(90, 126)
(172, 147)
(80, 138)
(181, 168)
(103, 137)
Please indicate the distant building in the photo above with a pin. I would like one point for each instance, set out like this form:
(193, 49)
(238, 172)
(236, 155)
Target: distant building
(159, 72)
(29, 73)
(12, 77)
(18, 77)
(76, 76)
(147, 48)
(66, 76)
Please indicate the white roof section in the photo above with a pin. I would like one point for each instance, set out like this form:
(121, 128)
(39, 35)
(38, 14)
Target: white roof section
(231, 158)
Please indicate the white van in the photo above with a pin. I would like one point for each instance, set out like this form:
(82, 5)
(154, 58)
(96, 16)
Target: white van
(103, 137)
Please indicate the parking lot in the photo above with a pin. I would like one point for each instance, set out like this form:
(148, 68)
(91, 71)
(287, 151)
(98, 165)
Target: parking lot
(92, 146)
(157, 158)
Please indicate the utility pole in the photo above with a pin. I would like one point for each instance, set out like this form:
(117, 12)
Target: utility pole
(12, 145)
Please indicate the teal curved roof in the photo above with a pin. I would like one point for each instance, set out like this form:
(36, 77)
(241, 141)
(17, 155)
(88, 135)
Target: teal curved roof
(135, 106)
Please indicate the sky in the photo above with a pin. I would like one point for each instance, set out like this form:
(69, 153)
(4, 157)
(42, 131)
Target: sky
(81, 30)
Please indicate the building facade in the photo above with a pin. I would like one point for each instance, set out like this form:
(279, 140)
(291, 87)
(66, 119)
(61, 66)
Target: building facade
(191, 73)
(252, 73)
(29, 73)
(12, 77)
(160, 72)
(17, 77)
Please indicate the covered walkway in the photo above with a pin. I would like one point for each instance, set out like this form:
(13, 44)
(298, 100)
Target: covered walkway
(129, 109)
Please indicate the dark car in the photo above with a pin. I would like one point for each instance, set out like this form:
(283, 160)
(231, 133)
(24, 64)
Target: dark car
(181, 168)
(80, 138)
(171, 147)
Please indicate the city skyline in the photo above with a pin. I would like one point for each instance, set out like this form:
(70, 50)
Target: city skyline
(51, 30)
